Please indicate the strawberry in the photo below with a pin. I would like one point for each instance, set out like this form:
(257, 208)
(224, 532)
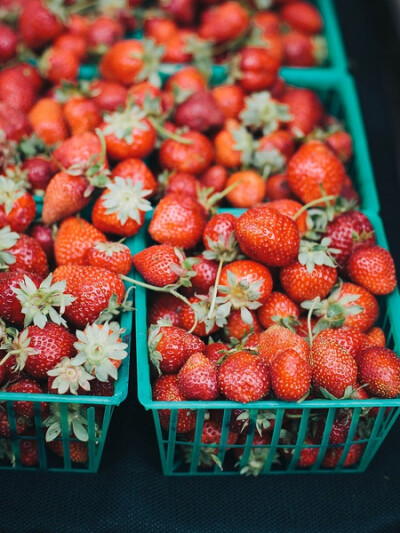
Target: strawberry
(77, 451)
(224, 22)
(48, 122)
(199, 113)
(277, 339)
(305, 108)
(136, 171)
(219, 236)
(347, 231)
(160, 28)
(300, 284)
(10, 305)
(170, 347)
(164, 307)
(21, 424)
(215, 351)
(197, 379)
(280, 140)
(379, 369)
(258, 68)
(278, 309)
(206, 274)
(8, 43)
(333, 455)
(351, 339)
(178, 221)
(258, 454)
(103, 32)
(249, 188)
(277, 188)
(267, 21)
(49, 344)
(183, 11)
(340, 142)
(108, 95)
(74, 238)
(65, 196)
(92, 287)
(39, 172)
(17, 207)
(75, 44)
(113, 256)
(29, 454)
(291, 208)
(194, 158)
(312, 167)
(23, 407)
(21, 252)
(188, 79)
(333, 368)
(267, 236)
(215, 177)
(210, 436)
(373, 268)
(233, 145)
(180, 183)
(121, 207)
(166, 388)
(302, 50)
(39, 23)
(375, 337)
(340, 428)
(244, 377)
(130, 60)
(79, 151)
(244, 281)
(140, 91)
(199, 308)
(302, 16)
(229, 99)
(57, 65)
(238, 328)
(290, 376)
(158, 264)
(102, 388)
(14, 123)
(81, 115)
(17, 89)
(308, 454)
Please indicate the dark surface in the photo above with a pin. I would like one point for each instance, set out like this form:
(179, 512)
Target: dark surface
(130, 494)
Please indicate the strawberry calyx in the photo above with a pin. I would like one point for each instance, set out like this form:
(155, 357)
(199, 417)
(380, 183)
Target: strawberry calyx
(263, 113)
(30, 147)
(7, 150)
(77, 422)
(320, 49)
(154, 338)
(151, 57)
(207, 456)
(114, 308)
(312, 254)
(225, 248)
(121, 123)
(202, 54)
(10, 191)
(255, 464)
(244, 143)
(263, 419)
(17, 344)
(209, 316)
(98, 346)
(334, 309)
(19, 176)
(57, 8)
(289, 322)
(38, 304)
(69, 377)
(8, 239)
(360, 238)
(126, 199)
(184, 270)
(239, 295)
(68, 90)
(348, 393)
(268, 161)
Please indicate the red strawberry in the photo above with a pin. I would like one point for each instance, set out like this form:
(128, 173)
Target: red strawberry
(30, 386)
(211, 434)
(14, 123)
(108, 95)
(224, 22)
(164, 307)
(267, 236)
(230, 99)
(312, 167)
(379, 369)
(306, 109)
(136, 171)
(302, 16)
(290, 376)
(59, 64)
(258, 68)
(40, 172)
(158, 264)
(206, 273)
(197, 379)
(26, 253)
(215, 351)
(351, 339)
(78, 151)
(278, 309)
(10, 306)
(237, 328)
(308, 455)
(302, 50)
(114, 256)
(199, 308)
(277, 339)
(8, 43)
(373, 268)
(92, 287)
(340, 428)
(38, 25)
(29, 453)
(74, 238)
(199, 113)
(215, 177)
(194, 158)
(244, 377)
(17, 207)
(340, 142)
(243, 276)
(20, 422)
(219, 236)
(183, 11)
(333, 368)
(277, 187)
(103, 32)
(78, 451)
(178, 221)
(65, 196)
(375, 337)
(347, 231)
(17, 89)
(166, 389)
(333, 455)
(170, 347)
(300, 284)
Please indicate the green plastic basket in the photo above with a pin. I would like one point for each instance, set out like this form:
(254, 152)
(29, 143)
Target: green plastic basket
(99, 412)
(170, 443)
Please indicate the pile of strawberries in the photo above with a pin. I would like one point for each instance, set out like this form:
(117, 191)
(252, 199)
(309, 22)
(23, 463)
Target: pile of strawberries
(276, 298)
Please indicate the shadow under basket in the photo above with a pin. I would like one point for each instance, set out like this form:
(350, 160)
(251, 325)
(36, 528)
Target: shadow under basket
(285, 448)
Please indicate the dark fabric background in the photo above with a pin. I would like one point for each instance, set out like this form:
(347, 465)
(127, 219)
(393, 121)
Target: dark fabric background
(130, 493)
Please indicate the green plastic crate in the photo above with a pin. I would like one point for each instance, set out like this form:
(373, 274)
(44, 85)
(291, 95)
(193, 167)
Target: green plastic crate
(99, 412)
(170, 443)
